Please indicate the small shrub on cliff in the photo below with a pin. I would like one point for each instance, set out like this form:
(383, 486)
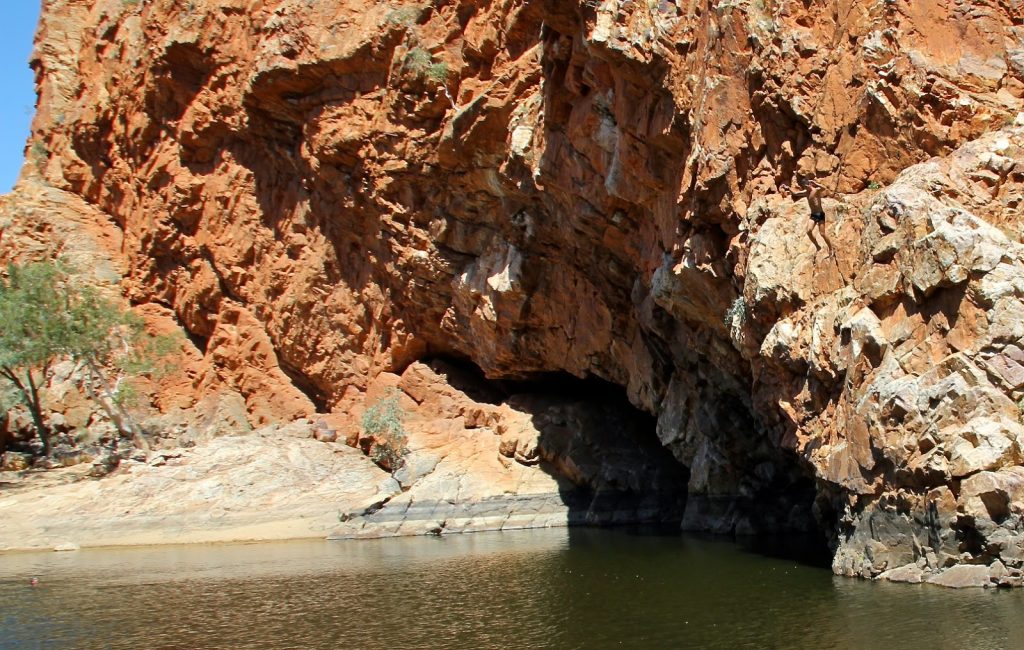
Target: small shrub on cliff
(404, 16)
(736, 312)
(38, 154)
(421, 63)
(383, 423)
(418, 61)
(437, 72)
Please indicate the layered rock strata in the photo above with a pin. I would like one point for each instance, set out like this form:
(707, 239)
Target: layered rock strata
(329, 191)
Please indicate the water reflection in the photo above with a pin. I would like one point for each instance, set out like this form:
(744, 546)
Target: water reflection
(528, 589)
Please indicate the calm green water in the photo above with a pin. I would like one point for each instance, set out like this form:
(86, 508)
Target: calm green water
(528, 589)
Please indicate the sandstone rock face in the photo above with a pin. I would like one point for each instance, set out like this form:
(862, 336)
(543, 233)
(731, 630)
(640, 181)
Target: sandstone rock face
(324, 192)
(193, 400)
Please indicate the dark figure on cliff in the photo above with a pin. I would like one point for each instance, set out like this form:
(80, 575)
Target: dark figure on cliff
(814, 193)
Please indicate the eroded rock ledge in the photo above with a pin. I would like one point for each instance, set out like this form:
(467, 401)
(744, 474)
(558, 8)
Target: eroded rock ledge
(326, 194)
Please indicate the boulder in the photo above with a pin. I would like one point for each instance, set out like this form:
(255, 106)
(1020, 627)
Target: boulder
(961, 576)
(910, 573)
(994, 495)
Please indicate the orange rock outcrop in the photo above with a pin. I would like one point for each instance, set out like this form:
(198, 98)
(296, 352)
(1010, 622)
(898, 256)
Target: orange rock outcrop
(321, 192)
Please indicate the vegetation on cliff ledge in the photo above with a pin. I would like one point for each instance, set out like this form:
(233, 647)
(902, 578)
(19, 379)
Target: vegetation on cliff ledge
(383, 423)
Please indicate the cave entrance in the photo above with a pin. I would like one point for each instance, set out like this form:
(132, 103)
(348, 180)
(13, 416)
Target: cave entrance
(603, 451)
(616, 471)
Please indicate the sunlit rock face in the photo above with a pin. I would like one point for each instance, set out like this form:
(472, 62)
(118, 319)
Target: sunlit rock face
(322, 192)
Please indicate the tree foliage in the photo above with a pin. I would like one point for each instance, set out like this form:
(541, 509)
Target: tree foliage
(383, 422)
(46, 317)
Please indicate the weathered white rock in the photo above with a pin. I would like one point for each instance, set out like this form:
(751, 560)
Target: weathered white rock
(911, 573)
(919, 353)
(235, 488)
(997, 571)
(993, 495)
(962, 575)
(984, 444)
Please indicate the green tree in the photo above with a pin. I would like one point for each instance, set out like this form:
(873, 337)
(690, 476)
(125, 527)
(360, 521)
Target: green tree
(383, 423)
(46, 317)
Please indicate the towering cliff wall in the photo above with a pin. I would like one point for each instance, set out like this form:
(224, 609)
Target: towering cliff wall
(325, 191)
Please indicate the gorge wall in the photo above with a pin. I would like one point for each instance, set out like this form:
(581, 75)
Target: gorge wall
(326, 192)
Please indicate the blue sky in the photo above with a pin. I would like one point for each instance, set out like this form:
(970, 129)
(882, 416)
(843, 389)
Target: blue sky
(19, 18)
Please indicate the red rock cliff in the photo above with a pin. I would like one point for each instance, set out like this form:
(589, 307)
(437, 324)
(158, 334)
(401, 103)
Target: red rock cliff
(323, 191)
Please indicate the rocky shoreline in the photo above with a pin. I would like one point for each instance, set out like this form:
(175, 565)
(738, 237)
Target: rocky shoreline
(281, 483)
(268, 485)
(531, 461)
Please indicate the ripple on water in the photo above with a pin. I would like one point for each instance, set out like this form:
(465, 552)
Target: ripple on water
(525, 589)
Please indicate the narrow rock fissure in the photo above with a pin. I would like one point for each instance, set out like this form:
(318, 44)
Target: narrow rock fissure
(306, 387)
(201, 342)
